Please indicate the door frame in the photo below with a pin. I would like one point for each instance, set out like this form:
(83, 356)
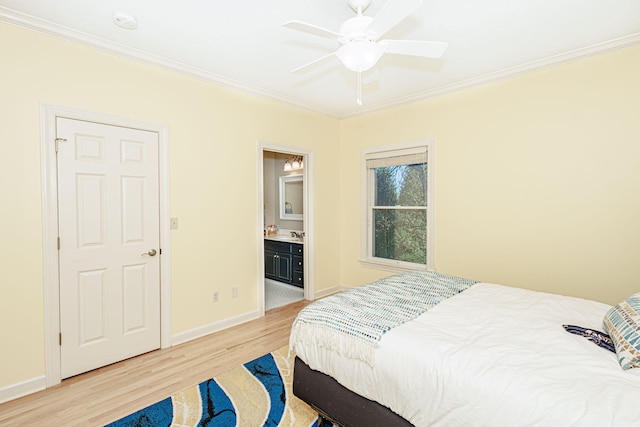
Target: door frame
(51, 273)
(308, 207)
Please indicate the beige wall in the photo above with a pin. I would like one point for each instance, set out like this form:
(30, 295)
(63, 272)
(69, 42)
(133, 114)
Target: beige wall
(214, 248)
(537, 178)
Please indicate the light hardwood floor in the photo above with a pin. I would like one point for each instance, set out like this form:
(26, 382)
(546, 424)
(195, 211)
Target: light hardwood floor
(107, 394)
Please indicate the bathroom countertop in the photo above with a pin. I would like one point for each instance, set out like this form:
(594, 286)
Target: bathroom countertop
(285, 238)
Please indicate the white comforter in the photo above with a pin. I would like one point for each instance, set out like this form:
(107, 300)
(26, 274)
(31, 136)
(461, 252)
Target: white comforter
(494, 356)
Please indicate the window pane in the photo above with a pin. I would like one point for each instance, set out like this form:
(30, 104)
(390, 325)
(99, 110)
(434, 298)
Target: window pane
(400, 234)
(404, 185)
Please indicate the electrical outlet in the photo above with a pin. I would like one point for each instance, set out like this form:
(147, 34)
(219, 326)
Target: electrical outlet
(216, 296)
(234, 292)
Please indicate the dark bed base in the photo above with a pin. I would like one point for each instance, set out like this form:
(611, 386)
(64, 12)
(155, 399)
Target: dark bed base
(339, 404)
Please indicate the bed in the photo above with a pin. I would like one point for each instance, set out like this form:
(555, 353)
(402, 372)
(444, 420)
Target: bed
(480, 354)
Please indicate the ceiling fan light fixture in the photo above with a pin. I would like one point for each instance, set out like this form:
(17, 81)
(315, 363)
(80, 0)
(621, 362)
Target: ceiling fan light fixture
(360, 55)
(359, 49)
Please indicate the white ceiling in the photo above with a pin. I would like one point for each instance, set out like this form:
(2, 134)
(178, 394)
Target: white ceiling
(242, 44)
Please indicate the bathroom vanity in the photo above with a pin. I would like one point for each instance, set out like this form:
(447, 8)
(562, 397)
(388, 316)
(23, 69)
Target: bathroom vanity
(283, 261)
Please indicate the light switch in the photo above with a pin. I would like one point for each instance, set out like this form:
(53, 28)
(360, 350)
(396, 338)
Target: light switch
(174, 223)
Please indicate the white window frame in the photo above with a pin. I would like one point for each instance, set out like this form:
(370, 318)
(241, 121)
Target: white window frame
(367, 196)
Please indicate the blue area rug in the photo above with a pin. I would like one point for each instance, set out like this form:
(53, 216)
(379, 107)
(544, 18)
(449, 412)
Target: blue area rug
(255, 394)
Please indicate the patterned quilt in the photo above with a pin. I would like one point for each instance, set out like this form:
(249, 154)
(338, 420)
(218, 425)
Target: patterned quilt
(352, 322)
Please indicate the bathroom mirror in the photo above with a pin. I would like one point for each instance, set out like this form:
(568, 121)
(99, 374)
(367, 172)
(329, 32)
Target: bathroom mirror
(291, 197)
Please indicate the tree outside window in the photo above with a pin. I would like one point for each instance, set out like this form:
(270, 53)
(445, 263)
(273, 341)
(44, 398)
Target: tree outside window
(400, 213)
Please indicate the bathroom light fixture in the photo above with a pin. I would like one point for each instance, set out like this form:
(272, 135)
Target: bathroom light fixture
(295, 163)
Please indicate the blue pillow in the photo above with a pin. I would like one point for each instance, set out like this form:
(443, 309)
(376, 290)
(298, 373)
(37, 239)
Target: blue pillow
(598, 338)
(622, 322)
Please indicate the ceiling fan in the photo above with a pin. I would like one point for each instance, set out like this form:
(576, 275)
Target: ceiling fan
(360, 48)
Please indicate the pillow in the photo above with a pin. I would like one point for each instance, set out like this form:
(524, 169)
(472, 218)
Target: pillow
(598, 338)
(622, 322)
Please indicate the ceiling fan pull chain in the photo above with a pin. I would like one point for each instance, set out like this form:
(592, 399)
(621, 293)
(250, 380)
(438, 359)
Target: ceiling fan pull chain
(359, 99)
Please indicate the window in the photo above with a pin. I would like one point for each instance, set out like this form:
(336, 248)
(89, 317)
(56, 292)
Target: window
(398, 209)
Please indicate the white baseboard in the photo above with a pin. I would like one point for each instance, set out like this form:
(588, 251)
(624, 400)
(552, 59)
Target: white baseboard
(332, 290)
(201, 331)
(23, 388)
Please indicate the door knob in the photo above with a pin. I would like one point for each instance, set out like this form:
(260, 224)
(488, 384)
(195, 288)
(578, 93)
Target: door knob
(152, 252)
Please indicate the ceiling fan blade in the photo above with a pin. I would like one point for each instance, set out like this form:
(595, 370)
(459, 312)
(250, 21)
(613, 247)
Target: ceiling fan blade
(415, 48)
(303, 68)
(391, 14)
(312, 29)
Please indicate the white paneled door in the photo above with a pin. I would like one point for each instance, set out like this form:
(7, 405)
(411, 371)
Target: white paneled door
(109, 255)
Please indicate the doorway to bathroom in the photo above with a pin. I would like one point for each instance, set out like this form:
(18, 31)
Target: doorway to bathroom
(285, 225)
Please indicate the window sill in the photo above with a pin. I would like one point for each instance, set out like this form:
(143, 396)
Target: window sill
(394, 266)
